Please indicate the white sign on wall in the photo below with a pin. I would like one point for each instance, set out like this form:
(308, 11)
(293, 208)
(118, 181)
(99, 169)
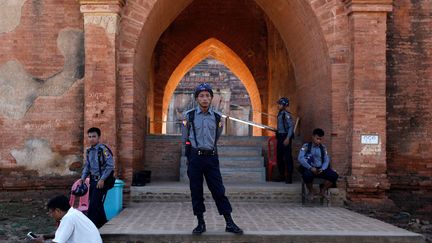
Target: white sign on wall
(369, 139)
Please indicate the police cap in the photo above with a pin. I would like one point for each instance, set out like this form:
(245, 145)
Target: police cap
(203, 87)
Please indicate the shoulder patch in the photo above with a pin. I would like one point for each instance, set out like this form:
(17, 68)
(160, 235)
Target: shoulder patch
(106, 152)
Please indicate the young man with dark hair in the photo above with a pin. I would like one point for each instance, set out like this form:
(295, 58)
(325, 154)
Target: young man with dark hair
(99, 166)
(201, 129)
(315, 163)
(74, 226)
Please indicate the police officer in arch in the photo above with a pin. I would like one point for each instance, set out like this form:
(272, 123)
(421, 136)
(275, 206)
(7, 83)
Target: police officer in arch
(284, 136)
(202, 126)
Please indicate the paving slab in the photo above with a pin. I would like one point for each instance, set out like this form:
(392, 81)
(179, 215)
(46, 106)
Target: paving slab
(262, 222)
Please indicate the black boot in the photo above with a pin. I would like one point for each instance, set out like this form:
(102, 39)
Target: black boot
(201, 228)
(231, 226)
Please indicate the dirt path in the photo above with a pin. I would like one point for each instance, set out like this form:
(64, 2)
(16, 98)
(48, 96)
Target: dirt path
(18, 218)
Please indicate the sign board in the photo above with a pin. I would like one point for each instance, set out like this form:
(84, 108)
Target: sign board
(369, 139)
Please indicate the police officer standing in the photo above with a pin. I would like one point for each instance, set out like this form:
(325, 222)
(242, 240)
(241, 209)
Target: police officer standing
(201, 128)
(99, 165)
(284, 136)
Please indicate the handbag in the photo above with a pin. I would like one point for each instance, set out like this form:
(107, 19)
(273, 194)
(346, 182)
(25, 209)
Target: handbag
(109, 181)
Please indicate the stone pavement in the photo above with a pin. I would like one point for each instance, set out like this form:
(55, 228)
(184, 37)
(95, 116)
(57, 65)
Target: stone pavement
(262, 222)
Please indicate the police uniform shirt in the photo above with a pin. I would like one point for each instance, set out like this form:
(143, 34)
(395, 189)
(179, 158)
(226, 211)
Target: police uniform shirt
(92, 163)
(288, 127)
(205, 127)
(316, 157)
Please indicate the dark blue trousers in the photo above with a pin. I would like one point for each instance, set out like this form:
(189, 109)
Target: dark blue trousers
(207, 167)
(327, 174)
(96, 211)
(284, 155)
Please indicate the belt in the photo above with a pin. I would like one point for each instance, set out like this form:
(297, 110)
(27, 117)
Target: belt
(204, 152)
(95, 177)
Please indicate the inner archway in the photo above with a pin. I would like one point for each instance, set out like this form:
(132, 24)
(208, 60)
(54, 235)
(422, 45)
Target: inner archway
(229, 98)
(217, 50)
(314, 36)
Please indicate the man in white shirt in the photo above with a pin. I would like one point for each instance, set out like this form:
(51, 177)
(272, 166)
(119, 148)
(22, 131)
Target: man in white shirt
(74, 226)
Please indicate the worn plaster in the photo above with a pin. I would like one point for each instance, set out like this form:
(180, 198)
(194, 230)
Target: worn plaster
(37, 155)
(10, 14)
(19, 89)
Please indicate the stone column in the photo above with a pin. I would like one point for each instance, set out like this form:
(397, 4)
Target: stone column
(367, 19)
(101, 24)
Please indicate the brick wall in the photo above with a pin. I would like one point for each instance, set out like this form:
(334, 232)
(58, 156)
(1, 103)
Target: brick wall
(162, 157)
(42, 140)
(34, 41)
(409, 82)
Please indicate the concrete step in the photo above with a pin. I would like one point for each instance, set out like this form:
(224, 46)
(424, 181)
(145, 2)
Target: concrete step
(241, 162)
(252, 175)
(235, 169)
(270, 192)
(248, 175)
(242, 141)
(255, 151)
(234, 162)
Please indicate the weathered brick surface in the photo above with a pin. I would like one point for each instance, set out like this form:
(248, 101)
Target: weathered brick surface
(162, 157)
(100, 84)
(56, 118)
(33, 41)
(409, 82)
(333, 19)
(18, 178)
(367, 105)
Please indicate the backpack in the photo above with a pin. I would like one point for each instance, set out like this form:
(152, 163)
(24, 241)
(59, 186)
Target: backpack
(110, 180)
(309, 150)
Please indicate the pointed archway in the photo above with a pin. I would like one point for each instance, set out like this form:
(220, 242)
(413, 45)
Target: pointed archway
(218, 50)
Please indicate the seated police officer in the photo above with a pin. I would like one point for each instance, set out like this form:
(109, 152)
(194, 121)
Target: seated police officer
(201, 128)
(315, 163)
